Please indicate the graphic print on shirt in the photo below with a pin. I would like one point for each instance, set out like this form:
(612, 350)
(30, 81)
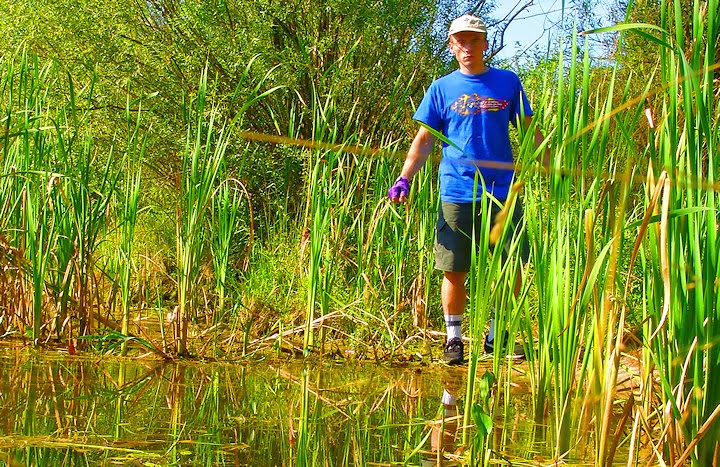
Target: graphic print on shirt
(474, 104)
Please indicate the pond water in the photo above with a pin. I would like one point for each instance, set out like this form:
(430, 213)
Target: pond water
(72, 410)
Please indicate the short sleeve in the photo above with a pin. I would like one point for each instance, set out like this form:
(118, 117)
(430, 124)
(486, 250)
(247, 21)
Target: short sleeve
(429, 111)
(522, 104)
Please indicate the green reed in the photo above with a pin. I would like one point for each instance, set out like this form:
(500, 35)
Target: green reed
(578, 254)
(206, 143)
(225, 210)
(410, 227)
(331, 193)
(131, 195)
(126, 263)
(581, 251)
(558, 251)
(682, 315)
(24, 204)
(54, 201)
(38, 250)
(605, 250)
(483, 270)
(87, 190)
(319, 270)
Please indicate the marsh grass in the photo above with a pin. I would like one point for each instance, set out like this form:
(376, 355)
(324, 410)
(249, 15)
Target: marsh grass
(134, 154)
(226, 205)
(205, 147)
(585, 239)
(55, 198)
(687, 139)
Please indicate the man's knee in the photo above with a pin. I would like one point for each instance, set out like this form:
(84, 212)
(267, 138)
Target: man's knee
(455, 277)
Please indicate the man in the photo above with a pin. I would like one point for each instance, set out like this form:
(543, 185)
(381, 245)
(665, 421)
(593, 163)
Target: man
(473, 108)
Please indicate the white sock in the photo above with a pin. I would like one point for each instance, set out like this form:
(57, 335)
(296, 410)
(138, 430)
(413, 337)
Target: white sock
(448, 399)
(491, 332)
(453, 326)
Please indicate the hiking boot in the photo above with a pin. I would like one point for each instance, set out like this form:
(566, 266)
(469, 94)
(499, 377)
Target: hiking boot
(454, 350)
(516, 352)
(489, 345)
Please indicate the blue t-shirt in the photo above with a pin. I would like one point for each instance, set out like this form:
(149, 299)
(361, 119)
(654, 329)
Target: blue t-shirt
(474, 111)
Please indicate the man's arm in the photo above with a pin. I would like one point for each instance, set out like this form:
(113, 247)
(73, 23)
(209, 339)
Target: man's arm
(418, 153)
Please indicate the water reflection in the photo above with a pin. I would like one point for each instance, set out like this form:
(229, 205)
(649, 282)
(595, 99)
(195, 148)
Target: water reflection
(100, 411)
(445, 448)
(74, 410)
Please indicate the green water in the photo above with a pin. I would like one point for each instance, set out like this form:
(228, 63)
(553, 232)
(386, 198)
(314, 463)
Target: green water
(62, 410)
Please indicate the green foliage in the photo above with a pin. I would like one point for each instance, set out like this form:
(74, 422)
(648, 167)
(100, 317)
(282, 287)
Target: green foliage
(353, 51)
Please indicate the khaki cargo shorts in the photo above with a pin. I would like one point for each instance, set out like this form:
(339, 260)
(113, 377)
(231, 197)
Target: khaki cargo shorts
(453, 234)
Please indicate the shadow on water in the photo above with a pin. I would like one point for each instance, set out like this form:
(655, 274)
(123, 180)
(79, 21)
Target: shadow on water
(60, 410)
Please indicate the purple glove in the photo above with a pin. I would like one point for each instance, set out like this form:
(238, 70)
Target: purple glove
(400, 189)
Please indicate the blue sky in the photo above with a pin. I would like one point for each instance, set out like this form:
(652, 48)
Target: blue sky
(532, 27)
(535, 25)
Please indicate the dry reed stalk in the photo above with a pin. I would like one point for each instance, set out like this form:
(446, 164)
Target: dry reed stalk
(499, 225)
(664, 262)
(700, 434)
(634, 439)
(612, 346)
(649, 211)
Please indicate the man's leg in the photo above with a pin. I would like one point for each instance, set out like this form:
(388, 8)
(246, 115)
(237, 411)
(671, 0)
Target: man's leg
(453, 293)
(452, 256)
(517, 282)
(454, 298)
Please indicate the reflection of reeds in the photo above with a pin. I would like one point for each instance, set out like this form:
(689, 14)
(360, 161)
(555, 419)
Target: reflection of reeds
(212, 414)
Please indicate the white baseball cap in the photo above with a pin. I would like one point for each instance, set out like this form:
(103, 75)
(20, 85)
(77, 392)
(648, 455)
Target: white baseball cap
(467, 23)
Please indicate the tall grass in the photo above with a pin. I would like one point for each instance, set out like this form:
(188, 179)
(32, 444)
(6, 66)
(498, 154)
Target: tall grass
(586, 237)
(89, 180)
(56, 196)
(204, 158)
(682, 328)
(206, 143)
(352, 271)
(226, 205)
(320, 270)
(134, 154)
(24, 204)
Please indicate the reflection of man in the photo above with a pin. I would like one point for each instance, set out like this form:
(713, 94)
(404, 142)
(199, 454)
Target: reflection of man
(444, 430)
(472, 107)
